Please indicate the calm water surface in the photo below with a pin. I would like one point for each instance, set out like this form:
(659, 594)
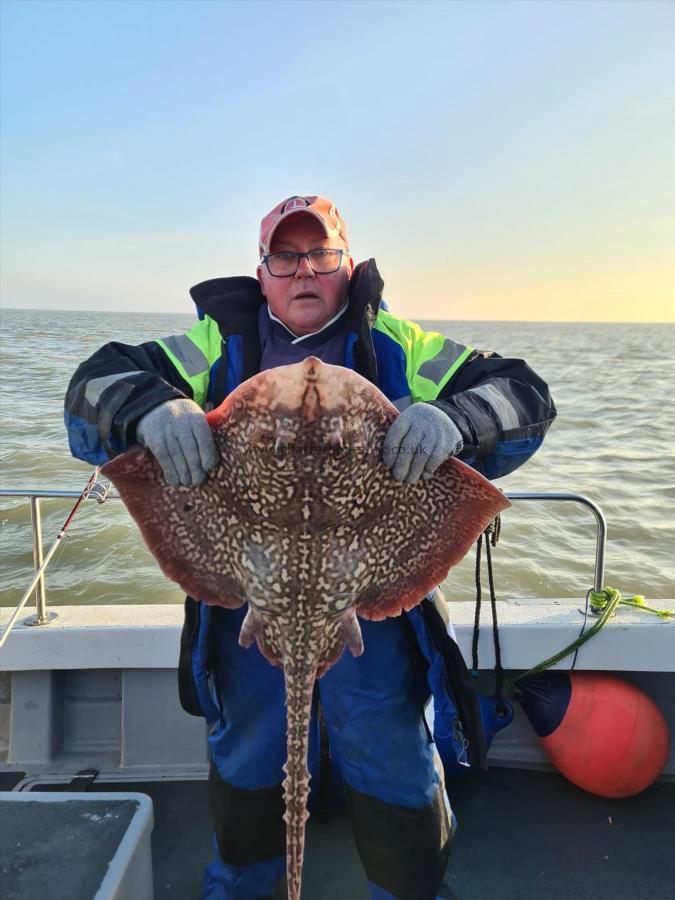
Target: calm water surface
(613, 441)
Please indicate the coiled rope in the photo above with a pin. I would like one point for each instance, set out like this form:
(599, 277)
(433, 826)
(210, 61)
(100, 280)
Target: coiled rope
(491, 535)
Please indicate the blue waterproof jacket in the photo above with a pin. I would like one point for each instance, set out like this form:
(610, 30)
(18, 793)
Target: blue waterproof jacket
(501, 407)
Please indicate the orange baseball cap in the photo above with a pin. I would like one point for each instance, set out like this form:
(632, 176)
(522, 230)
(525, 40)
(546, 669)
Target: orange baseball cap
(322, 209)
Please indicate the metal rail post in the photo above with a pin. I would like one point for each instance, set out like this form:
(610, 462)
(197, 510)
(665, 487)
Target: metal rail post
(40, 617)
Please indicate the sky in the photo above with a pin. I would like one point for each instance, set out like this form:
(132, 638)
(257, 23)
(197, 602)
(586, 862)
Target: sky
(499, 160)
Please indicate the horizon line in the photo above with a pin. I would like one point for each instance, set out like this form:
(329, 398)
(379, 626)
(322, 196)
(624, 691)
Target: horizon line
(422, 318)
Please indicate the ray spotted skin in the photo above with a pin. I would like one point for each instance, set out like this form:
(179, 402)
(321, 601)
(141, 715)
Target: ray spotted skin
(302, 521)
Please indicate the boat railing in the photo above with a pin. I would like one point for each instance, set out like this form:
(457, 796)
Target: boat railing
(101, 492)
(95, 490)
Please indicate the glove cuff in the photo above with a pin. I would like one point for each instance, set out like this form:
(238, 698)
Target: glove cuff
(461, 422)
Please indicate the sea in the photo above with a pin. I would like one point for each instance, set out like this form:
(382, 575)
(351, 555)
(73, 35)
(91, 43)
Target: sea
(613, 441)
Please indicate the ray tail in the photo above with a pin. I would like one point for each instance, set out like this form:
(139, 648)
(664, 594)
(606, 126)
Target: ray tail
(299, 687)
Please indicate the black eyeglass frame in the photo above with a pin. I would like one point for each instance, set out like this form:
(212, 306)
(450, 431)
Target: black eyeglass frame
(299, 256)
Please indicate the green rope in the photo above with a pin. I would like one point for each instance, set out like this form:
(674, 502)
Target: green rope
(598, 600)
(604, 604)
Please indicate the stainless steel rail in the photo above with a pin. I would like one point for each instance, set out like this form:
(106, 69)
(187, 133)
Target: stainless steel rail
(100, 493)
(93, 491)
(601, 536)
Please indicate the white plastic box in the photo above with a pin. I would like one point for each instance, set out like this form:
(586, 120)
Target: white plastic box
(84, 846)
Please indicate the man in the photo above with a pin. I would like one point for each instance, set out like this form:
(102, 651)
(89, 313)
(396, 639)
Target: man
(493, 413)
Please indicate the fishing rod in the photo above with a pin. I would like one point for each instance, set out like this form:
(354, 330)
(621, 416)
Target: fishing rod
(52, 550)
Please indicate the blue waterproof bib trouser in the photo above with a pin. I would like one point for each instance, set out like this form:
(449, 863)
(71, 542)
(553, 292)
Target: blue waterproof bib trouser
(380, 750)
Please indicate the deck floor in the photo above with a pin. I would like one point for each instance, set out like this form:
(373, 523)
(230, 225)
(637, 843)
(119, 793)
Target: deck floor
(522, 835)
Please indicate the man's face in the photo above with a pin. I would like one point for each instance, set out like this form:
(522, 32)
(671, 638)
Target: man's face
(305, 301)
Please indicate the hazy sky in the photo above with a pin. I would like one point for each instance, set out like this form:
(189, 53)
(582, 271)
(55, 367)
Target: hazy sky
(500, 160)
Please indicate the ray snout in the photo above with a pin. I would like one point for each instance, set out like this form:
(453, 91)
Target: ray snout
(311, 368)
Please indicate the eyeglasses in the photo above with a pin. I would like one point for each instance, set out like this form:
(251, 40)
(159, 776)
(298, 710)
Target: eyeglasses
(322, 261)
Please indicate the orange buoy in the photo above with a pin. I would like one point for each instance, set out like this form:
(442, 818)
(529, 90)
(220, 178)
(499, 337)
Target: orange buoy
(603, 734)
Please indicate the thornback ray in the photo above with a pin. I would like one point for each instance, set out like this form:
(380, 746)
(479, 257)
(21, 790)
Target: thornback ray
(301, 520)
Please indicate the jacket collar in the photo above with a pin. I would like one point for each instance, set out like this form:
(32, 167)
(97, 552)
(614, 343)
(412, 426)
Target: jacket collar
(234, 302)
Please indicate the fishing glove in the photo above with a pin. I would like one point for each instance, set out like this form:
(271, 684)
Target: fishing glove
(418, 441)
(178, 436)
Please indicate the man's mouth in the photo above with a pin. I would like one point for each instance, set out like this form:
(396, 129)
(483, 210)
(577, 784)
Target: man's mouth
(306, 295)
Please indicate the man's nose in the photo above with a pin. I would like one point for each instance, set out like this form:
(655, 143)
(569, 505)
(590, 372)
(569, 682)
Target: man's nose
(304, 269)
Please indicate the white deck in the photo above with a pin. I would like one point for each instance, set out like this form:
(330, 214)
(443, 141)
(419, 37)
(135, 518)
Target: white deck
(95, 637)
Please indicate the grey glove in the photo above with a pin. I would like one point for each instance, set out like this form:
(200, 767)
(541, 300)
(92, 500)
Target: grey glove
(178, 436)
(418, 441)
